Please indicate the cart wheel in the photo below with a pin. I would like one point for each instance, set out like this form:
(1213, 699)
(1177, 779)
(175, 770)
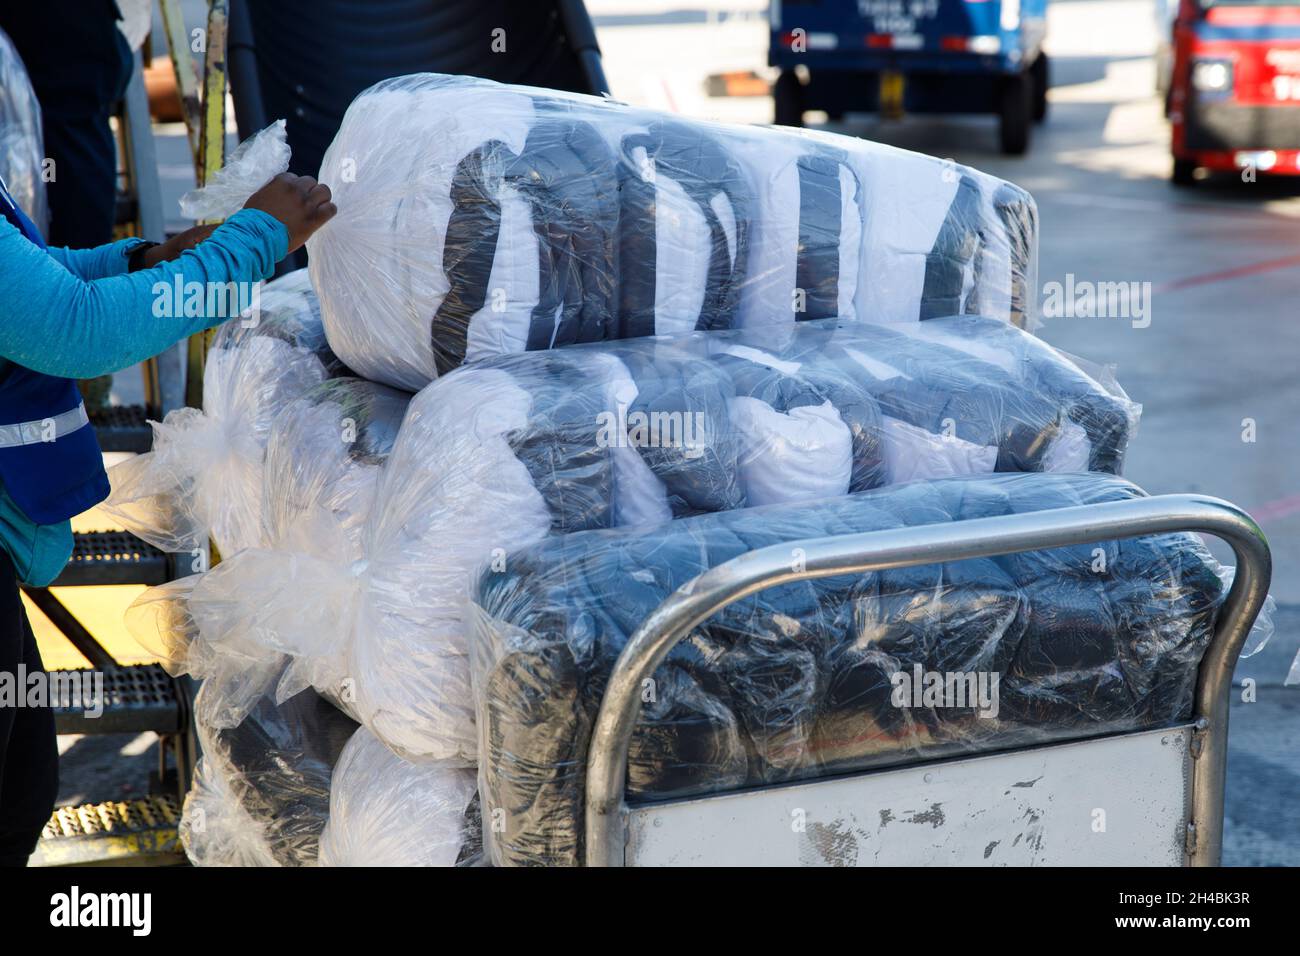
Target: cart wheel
(1042, 81)
(1184, 172)
(788, 99)
(1016, 113)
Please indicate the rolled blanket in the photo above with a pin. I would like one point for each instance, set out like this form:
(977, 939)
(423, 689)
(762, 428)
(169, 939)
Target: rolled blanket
(831, 675)
(684, 224)
(942, 239)
(297, 784)
(267, 777)
(386, 811)
(477, 219)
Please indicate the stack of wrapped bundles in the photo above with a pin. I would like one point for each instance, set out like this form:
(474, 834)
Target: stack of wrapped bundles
(203, 479)
(751, 318)
(281, 755)
(803, 679)
(477, 219)
(510, 450)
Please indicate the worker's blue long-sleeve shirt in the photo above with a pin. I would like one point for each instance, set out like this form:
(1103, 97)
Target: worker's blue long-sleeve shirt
(79, 313)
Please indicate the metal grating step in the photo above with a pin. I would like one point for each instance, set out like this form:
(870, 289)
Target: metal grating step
(112, 557)
(140, 831)
(116, 700)
(122, 428)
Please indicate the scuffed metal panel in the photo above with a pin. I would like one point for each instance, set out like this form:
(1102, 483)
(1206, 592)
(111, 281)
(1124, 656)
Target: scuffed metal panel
(1117, 801)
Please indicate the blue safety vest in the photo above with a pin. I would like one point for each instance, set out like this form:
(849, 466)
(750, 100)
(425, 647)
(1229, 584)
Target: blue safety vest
(50, 462)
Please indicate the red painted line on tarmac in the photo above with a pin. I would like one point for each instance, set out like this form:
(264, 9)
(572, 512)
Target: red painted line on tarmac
(1268, 265)
(672, 103)
(1278, 508)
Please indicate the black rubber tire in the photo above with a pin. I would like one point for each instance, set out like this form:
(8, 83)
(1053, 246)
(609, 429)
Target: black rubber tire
(788, 99)
(1042, 74)
(1015, 114)
(1184, 173)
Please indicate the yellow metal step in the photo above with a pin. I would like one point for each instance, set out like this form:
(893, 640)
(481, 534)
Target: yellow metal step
(136, 832)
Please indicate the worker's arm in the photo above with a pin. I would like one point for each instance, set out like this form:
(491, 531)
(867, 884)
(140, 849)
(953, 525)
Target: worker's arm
(98, 263)
(51, 321)
(114, 258)
(54, 322)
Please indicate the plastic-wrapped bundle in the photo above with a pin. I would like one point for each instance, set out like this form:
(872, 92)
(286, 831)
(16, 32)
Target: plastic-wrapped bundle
(647, 430)
(477, 219)
(803, 679)
(386, 811)
(271, 743)
(507, 451)
(215, 829)
(274, 757)
(262, 795)
(204, 476)
(297, 784)
(22, 146)
(322, 463)
(323, 457)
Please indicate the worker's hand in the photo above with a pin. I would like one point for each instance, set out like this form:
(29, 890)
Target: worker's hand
(301, 203)
(173, 247)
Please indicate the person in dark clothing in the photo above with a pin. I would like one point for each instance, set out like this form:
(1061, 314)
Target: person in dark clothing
(26, 735)
(79, 64)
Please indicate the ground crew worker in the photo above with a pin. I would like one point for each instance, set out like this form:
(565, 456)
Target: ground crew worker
(67, 314)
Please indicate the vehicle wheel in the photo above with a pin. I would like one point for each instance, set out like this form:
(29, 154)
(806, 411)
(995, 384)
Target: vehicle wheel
(1015, 114)
(1042, 75)
(1184, 172)
(788, 99)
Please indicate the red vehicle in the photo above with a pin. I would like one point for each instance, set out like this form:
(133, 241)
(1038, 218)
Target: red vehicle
(1234, 97)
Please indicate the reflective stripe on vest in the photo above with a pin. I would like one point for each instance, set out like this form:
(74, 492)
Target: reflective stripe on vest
(44, 429)
(50, 463)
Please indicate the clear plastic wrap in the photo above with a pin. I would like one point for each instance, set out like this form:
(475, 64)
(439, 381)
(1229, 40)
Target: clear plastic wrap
(805, 679)
(477, 219)
(22, 144)
(264, 786)
(297, 784)
(215, 829)
(270, 741)
(323, 457)
(386, 811)
(253, 164)
(203, 478)
(505, 452)
(323, 463)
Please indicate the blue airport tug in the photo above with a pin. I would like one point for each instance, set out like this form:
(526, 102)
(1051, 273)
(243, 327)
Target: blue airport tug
(919, 56)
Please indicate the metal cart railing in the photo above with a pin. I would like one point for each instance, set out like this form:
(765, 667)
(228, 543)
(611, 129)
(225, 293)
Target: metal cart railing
(1164, 788)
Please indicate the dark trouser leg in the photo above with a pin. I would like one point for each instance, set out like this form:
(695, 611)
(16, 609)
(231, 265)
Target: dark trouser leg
(83, 195)
(29, 757)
